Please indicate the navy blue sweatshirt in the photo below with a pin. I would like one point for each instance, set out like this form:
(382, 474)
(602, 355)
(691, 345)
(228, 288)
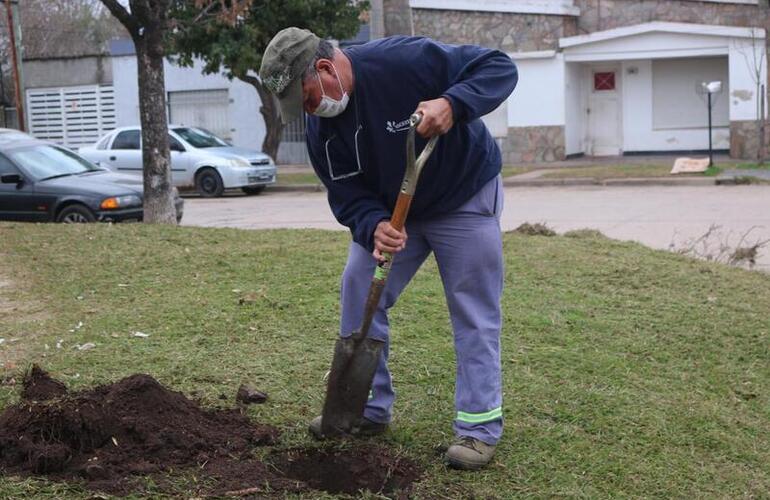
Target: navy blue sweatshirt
(360, 155)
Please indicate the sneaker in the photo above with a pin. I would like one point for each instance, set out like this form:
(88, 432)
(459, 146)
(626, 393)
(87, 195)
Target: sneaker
(469, 453)
(365, 427)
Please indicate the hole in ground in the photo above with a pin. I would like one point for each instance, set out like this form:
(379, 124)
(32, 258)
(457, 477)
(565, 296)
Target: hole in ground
(350, 470)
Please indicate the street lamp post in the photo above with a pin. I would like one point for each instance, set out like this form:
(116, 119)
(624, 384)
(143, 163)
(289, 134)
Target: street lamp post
(710, 89)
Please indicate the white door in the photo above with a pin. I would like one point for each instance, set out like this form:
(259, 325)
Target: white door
(604, 112)
(125, 154)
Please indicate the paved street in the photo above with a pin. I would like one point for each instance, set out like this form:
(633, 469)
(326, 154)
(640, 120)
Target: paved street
(655, 216)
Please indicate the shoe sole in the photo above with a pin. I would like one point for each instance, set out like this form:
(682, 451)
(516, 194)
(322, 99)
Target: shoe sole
(461, 465)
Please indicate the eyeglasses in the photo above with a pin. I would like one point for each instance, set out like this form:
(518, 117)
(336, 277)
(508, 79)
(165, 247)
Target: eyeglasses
(341, 176)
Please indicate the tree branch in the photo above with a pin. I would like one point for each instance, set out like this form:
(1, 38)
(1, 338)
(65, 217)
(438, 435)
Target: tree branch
(125, 18)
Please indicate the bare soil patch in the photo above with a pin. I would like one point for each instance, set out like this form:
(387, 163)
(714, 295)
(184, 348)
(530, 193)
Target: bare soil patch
(113, 435)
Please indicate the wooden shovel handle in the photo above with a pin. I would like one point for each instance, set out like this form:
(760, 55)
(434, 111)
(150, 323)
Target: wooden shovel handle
(400, 212)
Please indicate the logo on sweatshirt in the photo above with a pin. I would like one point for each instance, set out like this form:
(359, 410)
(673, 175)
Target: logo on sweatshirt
(395, 127)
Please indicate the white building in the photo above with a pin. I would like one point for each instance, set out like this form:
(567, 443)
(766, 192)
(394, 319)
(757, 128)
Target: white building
(636, 89)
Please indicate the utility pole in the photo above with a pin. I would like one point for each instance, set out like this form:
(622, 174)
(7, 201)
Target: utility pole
(2, 95)
(14, 32)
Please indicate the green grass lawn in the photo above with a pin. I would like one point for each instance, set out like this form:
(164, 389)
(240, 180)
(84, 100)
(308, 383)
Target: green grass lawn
(610, 172)
(642, 170)
(295, 178)
(509, 170)
(628, 372)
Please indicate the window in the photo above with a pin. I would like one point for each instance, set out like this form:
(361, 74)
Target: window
(676, 100)
(102, 144)
(45, 161)
(174, 145)
(604, 80)
(128, 139)
(200, 138)
(6, 167)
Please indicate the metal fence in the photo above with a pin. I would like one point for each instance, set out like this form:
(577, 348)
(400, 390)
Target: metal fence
(293, 149)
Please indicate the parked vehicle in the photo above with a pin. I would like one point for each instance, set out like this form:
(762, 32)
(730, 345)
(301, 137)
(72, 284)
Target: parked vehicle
(199, 160)
(43, 182)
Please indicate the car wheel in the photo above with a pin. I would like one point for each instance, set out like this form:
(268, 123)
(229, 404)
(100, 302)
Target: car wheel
(253, 189)
(209, 183)
(75, 214)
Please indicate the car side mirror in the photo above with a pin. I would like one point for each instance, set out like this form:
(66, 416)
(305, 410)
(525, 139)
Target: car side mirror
(11, 179)
(176, 147)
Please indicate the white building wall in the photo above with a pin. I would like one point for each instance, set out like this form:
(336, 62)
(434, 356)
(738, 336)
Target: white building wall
(638, 131)
(539, 96)
(126, 88)
(744, 58)
(246, 124)
(576, 79)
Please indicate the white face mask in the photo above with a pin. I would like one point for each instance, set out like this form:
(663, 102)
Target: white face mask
(328, 107)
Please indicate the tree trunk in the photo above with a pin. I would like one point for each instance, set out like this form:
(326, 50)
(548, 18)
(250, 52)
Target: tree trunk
(269, 110)
(158, 196)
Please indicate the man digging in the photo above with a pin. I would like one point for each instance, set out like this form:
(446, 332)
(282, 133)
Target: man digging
(359, 101)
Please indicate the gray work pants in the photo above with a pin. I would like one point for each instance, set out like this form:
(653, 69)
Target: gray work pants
(467, 245)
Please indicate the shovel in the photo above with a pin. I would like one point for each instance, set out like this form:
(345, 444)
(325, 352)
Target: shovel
(356, 357)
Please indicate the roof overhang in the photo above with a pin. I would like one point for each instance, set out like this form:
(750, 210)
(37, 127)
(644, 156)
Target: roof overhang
(546, 7)
(657, 40)
(663, 27)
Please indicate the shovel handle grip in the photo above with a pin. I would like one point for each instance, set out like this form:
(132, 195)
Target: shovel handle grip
(400, 212)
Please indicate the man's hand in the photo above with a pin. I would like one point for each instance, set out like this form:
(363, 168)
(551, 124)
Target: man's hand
(437, 117)
(387, 239)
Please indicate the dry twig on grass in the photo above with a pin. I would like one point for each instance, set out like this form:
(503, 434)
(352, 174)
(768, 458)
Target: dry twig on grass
(716, 245)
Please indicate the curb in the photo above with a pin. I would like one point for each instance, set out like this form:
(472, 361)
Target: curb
(743, 180)
(301, 188)
(512, 182)
(651, 181)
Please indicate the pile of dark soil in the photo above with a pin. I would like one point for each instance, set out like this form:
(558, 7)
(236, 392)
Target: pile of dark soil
(38, 386)
(111, 436)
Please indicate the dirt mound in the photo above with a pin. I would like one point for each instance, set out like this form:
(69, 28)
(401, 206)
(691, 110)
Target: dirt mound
(113, 435)
(350, 470)
(109, 433)
(39, 386)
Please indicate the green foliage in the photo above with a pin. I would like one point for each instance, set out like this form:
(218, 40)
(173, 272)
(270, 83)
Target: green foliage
(238, 48)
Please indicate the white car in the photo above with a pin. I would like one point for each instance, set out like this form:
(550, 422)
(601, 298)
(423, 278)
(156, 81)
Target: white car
(199, 160)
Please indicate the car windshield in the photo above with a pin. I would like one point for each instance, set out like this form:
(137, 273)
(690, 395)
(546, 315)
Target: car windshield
(200, 138)
(45, 161)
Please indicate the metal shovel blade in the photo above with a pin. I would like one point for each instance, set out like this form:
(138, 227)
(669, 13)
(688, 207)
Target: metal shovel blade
(347, 391)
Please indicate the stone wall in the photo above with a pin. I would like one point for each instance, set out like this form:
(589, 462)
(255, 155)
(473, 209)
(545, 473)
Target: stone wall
(533, 145)
(397, 17)
(744, 139)
(504, 31)
(598, 15)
